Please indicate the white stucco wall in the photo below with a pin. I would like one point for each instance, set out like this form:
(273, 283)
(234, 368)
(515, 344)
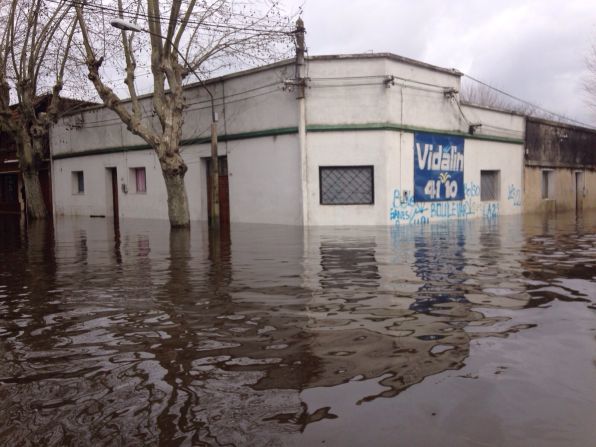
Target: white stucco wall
(349, 99)
(353, 117)
(97, 198)
(350, 91)
(264, 174)
(392, 156)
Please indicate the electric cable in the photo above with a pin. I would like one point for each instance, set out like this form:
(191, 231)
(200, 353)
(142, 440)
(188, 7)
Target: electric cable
(528, 103)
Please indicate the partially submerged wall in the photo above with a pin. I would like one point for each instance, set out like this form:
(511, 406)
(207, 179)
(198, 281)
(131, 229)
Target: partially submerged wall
(560, 167)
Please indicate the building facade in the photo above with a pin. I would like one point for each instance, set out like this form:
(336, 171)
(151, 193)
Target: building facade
(376, 139)
(560, 167)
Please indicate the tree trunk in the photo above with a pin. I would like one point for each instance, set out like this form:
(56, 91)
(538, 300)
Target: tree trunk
(173, 169)
(36, 207)
(30, 162)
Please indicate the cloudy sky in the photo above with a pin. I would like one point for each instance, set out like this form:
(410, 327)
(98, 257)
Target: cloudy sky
(534, 49)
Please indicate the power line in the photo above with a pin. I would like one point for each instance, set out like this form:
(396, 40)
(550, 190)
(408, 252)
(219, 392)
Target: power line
(528, 103)
(189, 106)
(155, 19)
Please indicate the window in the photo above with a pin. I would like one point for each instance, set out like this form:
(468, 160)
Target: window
(139, 179)
(490, 185)
(548, 184)
(8, 188)
(78, 182)
(346, 185)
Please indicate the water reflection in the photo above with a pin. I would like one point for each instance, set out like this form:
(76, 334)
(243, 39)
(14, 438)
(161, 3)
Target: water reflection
(133, 334)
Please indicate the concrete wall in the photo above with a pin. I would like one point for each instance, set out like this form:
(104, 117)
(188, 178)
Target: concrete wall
(566, 152)
(244, 102)
(264, 176)
(566, 194)
(392, 156)
(360, 110)
(355, 118)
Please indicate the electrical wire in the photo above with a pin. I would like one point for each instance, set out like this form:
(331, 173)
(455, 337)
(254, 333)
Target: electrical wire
(205, 101)
(528, 103)
(150, 18)
(117, 121)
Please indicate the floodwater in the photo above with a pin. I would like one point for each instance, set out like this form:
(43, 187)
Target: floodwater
(466, 333)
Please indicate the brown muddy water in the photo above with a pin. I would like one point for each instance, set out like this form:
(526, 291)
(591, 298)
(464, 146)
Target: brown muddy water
(468, 333)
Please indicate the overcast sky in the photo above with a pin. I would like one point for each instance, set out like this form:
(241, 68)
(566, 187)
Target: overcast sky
(531, 49)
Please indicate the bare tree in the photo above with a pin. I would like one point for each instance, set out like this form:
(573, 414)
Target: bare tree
(589, 83)
(36, 38)
(182, 37)
(482, 95)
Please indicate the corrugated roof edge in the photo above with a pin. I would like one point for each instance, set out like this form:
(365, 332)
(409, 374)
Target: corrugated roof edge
(391, 56)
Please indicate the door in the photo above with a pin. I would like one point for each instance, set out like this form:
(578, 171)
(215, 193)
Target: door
(579, 190)
(224, 191)
(9, 193)
(113, 181)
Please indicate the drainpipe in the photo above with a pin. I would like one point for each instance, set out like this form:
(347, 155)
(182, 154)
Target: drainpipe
(300, 96)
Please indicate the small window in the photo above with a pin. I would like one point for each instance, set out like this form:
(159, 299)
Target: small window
(139, 179)
(346, 185)
(489, 185)
(78, 182)
(547, 184)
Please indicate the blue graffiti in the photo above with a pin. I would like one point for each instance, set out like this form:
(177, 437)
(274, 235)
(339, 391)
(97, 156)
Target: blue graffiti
(471, 189)
(461, 209)
(491, 211)
(405, 210)
(514, 195)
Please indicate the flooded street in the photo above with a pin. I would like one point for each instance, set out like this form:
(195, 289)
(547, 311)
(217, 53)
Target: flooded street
(464, 333)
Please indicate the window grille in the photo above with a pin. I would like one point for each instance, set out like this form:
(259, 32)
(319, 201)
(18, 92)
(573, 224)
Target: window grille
(346, 185)
(489, 185)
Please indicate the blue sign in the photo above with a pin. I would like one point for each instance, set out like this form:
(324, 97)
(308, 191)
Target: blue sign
(438, 167)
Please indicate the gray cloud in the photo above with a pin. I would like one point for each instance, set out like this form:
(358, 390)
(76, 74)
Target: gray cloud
(532, 49)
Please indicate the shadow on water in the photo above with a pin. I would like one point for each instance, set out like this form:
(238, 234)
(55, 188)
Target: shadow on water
(131, 334)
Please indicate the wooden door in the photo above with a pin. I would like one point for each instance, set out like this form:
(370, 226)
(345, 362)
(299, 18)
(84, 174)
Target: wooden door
(224, 192)
(579, 190)
(114, 181)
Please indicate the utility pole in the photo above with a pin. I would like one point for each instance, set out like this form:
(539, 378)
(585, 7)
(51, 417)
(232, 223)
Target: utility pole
(299, 69)
(214, 223)
(299, 86)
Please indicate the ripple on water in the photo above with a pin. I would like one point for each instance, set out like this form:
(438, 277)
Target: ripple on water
(142, 336)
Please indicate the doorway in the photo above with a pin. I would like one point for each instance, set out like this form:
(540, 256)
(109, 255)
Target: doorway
(224, 191)
(113, 182)
(9, 193)
(579, 190)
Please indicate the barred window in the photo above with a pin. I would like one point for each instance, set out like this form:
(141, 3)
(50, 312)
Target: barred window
(489, 185)
(346, 185)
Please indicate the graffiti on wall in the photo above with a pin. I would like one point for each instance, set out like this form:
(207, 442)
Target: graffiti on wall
(405, 210)
(514, 195)
(490, 210)
(438, 167)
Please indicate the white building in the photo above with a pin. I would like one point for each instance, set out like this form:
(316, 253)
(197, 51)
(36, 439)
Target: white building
(378, 140)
